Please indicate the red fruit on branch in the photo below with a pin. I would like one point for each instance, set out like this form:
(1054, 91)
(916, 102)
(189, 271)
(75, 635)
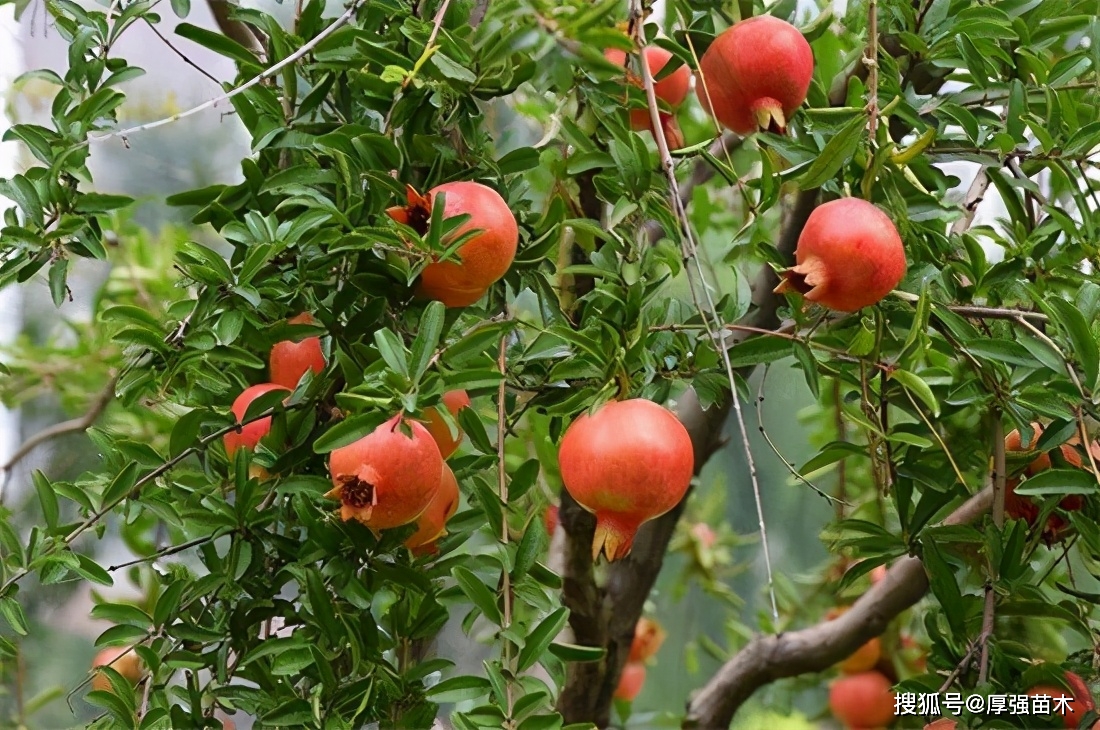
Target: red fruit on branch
(550, 519)
(627, 463)
(630, 684)
(1020, 507)
(290, 360)
(755, 75)
(432, 524)
(849, 256)
(483, 259)
(123, 660)
(648, 637)
(672, 90)
(455, 401)
(862, 700)
(387, 478)
(250, 434)
(862, 659)
(944, 723)
(1078, 706)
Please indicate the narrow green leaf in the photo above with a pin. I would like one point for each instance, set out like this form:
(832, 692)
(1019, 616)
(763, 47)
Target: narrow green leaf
(392, 351)
(478, 593)
(47, 498)
(427, 339)
(539, 639)
(918, 387)
(836, 152)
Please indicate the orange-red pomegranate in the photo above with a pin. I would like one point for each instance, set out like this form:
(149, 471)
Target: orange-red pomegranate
(251, 433)
(123, 660)
(483, 259)
(862, 700)
(432, 524)
(755, 75)
(455, 401)
(648, 637)
(944, 723)
(672, 90)
(1078, 707)
(550, 519)
(386, 479)
(862, 659)
(630, 684)
(849, 256)
(627, 463)
(290, 360)
(1023, 508)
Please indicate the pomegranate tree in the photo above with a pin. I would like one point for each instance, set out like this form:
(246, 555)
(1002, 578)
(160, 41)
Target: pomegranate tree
(290, 360)
(627, 463)
(387, 478)
(849, 256)
(483, 259)
(755, 75)
(672, 90)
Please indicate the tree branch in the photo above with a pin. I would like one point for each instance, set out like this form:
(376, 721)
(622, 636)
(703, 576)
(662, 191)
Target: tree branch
(815, 649)
(234, 29)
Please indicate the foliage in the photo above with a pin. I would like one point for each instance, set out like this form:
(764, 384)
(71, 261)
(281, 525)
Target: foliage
(298, 619)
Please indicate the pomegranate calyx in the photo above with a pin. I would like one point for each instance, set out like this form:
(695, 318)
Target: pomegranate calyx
(416, 213)
(807, 278)
(357, 494)
(614, 538)
(769, 115)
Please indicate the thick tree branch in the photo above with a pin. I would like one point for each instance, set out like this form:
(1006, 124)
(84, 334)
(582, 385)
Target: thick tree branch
(815, 649)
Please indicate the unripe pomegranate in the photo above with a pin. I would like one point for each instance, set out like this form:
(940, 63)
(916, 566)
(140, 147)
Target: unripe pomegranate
(648, 637)
(455, 401)
(483, 259)
(631, 681)
(432, 524)
(290, 360)
(862, 659)
(550, 519)
(123, 660)
(755, 75)
(627, 463)
(849, 256)
(862, 700)
(386, 479)
(672, 90)
(250, 434)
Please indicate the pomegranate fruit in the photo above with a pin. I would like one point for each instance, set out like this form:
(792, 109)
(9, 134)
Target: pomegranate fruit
(849, 256)
(550, 519)
(432, 524)
(944, 723)
(648, 637)
(631, 681)
(755, 75)
(123, 660)
(878, 573)
(1023, 508)
(386, 479)
(627, 463)
(862, 659)
(672, 90)
(250, 434)
(862, 700)
(290, 360)
(1077, 707)
(483, 259)
(454, 401)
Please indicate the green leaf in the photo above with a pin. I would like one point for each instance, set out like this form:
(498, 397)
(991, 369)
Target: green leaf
(47, 498)
(451, 69)
(217, 42)
(459, 689)
(518, 160)
(392, 350)
(121, 485)
(478, 593)
(836, 152)
(539, 639)
(1084, 347)
(918, 387)
(944, 586)
(13, 614)
(759, 350)
(181, 8)
(576, 652)
(427, 338)
(348, 431)
(1059, 481)
(59, 291)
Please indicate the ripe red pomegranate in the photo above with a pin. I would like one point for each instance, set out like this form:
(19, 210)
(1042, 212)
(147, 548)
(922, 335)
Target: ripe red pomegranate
(251, 433)
(629, 462)
(862, 659)
(1023, 508)
(290, 360)
(862, 700)
(550, 519)
(483, 259)
(849, 256)
(455, 401)
(630, 684)
(386, 479)
(1078, 707)
(123, 660)
(672, 90)
(944, 723)
(432, 524)
(755, 75)
(648, 637)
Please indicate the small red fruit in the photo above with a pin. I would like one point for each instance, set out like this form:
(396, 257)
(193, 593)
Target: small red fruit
(550, 519)
(849, 256)
(290, 360)
(121, 659)
(627, 463)
(862, 659)
(755, 75)
(432, 524)
(648, 637)
(944, 723)
(251, 433)
(386, 479)
(630, 684)
(862, 700)
(483, 259)
(1023, 508)
(672, 90)
(455, 401)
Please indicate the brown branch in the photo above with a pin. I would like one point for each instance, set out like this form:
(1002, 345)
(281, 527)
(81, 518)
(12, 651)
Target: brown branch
(242, 33)
(768, 658)
(701, 172)
(75, 425)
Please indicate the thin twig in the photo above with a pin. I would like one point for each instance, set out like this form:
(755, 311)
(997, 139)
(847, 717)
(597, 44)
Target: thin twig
(178, 52)
(437, 23)
(170, 550)
(871, 61)
(998, 437)
(266, 74)
(962, 665)
(692, 253)
(502, 485)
